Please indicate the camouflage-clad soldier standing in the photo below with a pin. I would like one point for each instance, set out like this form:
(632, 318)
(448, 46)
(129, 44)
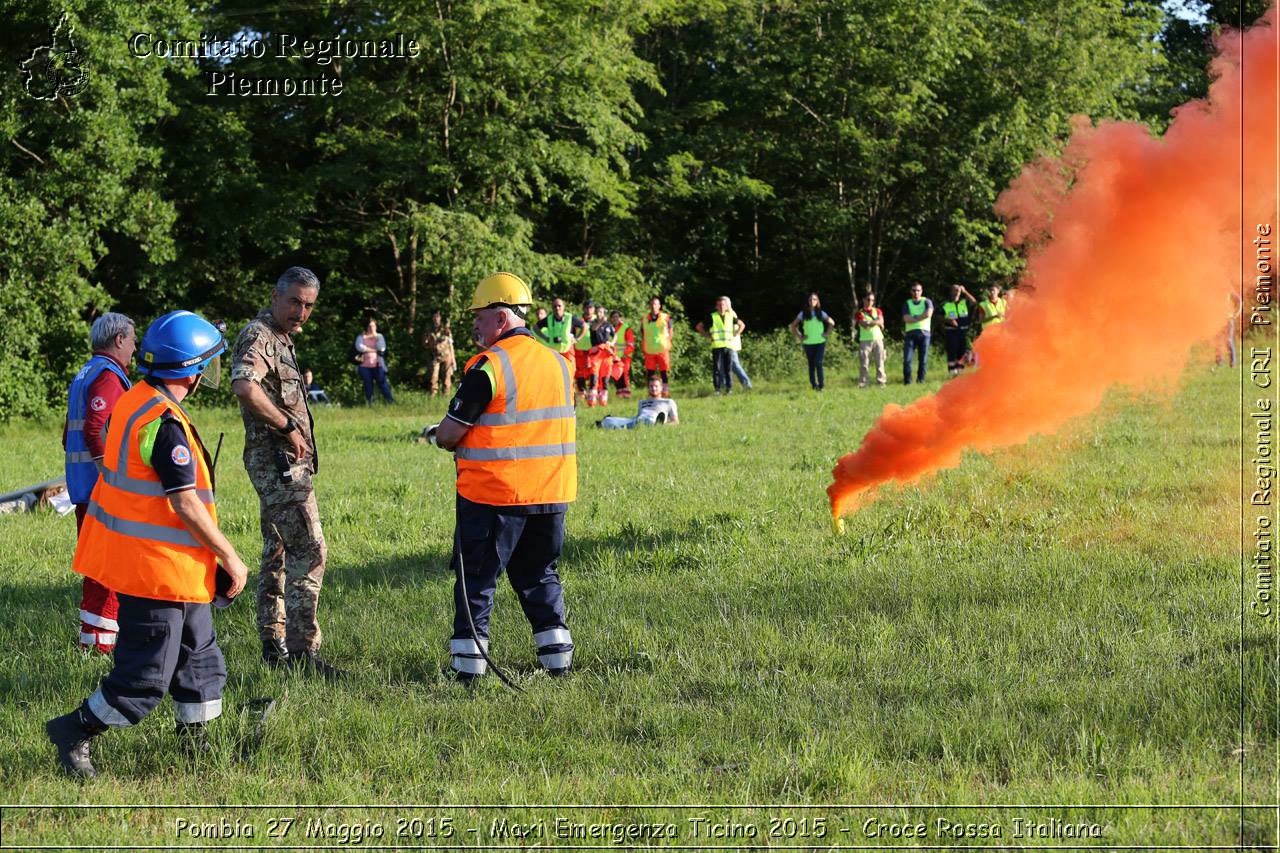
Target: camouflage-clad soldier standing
(280, 458)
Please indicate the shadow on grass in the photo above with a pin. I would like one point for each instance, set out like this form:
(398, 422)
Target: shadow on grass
(581, 555)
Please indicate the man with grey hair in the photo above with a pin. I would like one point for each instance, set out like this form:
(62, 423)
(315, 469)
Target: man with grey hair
(280, 457)
(92, 395)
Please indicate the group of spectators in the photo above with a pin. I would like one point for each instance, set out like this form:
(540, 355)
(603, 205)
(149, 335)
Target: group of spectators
(813, 325)
(600, 344)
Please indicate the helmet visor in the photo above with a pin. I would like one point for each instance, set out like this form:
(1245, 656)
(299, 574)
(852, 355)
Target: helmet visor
(211, 376)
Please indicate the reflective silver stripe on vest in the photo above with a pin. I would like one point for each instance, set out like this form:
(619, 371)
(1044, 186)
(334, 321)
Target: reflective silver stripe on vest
(141, 529)
(553, 637)
(568, 383)
(123, 464)
(78, 423)
(505, 418)
(537, 451)
(80, 456)
(150, 488)
(508, 377)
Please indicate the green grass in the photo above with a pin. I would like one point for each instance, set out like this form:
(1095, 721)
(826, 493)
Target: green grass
(1056, 623)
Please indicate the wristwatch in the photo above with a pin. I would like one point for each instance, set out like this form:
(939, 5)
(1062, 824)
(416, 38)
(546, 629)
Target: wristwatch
(289, 426)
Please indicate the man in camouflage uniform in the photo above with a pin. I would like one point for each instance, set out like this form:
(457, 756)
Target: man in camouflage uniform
(438, 343)
(280, 457)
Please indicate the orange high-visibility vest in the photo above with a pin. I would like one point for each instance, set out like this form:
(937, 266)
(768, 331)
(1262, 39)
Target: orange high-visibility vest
(132, 541)
(522, 450)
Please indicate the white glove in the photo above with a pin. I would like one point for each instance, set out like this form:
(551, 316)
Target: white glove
(431, 434)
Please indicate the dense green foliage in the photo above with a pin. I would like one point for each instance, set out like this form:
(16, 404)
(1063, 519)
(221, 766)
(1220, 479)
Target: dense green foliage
(613, 150)
(1057, 623)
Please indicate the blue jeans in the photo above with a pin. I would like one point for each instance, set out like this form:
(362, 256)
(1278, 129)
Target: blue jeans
(736, 367)
(375, 375)
(918, 341)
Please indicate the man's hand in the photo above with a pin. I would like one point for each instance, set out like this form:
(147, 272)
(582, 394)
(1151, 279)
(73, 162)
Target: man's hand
(239, 575)
(300, 449)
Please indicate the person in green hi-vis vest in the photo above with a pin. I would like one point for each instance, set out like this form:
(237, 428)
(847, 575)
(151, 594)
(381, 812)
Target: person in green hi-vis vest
(917, 315)
(815, 322)
(560, 331)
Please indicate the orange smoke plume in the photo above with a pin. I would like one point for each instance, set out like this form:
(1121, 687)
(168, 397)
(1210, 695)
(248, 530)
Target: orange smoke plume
(1134, 244)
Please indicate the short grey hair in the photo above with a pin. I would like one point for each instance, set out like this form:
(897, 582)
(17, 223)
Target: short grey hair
(105, 329)
(300, 276)
(510, 315)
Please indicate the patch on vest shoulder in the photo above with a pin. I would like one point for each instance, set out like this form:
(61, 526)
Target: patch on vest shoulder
(180, 455)
(98, 404)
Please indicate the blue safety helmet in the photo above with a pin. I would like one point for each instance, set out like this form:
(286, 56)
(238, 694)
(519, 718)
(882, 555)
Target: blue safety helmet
(182, 344)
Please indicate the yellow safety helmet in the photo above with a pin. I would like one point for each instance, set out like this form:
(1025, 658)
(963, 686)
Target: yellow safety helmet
(501, 288)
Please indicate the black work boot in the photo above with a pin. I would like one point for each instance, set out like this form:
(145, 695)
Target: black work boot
(71, 734)
(311, 663)
(274, 652)
(193, 739)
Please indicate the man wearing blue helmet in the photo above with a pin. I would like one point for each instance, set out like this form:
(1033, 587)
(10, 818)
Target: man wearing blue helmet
(151, 534)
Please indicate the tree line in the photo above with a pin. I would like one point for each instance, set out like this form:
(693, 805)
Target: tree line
(759, 148)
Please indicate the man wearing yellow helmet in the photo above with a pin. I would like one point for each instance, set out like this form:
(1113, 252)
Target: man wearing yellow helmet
(511, 427)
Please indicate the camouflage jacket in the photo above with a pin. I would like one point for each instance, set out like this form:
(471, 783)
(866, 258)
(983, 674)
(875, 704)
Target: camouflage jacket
(438, 343)
(265, 355)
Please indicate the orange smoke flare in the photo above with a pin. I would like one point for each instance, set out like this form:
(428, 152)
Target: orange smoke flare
(1134, 244)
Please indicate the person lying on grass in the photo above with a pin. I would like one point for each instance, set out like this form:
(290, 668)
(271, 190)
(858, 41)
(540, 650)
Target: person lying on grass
(655, 409)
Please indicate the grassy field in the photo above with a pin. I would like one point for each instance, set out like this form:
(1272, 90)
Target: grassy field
(1056, 624)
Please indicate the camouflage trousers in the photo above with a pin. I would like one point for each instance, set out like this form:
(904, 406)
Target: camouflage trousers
(292, 569)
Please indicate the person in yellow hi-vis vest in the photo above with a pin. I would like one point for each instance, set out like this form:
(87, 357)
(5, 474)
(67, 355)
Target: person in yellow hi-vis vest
(151, 534)
(725, 333)
(512, 429)
(655, 343)
(955, 327)
(991, 310)
(917, 317)
(870, 322)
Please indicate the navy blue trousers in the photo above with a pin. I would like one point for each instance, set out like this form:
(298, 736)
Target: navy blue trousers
(527, 548)
(163, 647)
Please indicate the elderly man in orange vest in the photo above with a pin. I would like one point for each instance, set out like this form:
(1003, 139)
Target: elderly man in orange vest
(151, 534)
(511, 427)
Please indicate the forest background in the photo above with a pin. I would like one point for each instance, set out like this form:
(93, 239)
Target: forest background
(613, 150)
